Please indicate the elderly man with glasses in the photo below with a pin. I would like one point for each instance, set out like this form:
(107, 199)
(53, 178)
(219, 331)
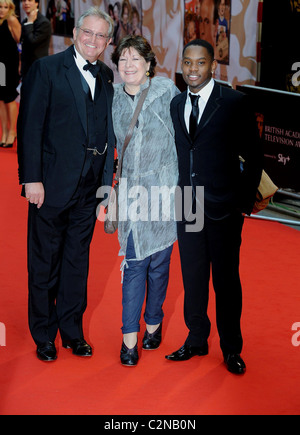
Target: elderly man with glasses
(66, 152)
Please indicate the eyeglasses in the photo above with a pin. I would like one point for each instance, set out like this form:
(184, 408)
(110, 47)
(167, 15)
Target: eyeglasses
(90, 34)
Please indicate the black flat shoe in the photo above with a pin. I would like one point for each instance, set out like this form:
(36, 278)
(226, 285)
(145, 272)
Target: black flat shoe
(129, 357)
(79, 346)
(152, 341)
(46, 351)
(187, 352)
(235, 364)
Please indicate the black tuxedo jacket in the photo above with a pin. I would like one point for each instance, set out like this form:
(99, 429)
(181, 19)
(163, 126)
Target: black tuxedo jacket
(35, 39)
(227, 129)
(52, 127)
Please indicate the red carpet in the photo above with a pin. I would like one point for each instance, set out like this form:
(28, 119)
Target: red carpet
(100, 385)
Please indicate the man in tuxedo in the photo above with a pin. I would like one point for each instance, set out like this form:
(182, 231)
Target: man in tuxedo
(66, 151)
(35, 37)
(211, 132)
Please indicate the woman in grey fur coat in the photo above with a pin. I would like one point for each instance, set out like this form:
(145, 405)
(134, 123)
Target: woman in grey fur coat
(147, 227)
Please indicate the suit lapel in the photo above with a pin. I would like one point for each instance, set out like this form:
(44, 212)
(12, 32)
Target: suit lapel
(210, 110)
(180, 108)
(73, 76)
(211, 107)
(106, 86)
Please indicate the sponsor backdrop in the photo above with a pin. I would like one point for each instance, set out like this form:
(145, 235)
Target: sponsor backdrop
(163, 23)
(278, 121)
(235, 29)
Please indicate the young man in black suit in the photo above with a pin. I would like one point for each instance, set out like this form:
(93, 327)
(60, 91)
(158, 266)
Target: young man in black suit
(208, 153)
(66, 151)
(35, 37)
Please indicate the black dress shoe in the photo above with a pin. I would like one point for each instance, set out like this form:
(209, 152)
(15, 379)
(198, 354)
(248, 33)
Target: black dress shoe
(46, 351)
(186, 352)
(152, 341)
(235, 364)
(79, 346)
(129, 357)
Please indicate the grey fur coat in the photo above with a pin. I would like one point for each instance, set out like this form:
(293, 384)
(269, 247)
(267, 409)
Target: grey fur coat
(150, 169)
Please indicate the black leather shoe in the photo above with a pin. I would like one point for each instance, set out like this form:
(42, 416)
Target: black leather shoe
(129, 357)
(46, 351)
(152, 341)
(235, 364)
(79, 346)
(186, 352)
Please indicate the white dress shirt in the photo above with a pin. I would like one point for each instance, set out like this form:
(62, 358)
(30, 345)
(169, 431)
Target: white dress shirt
(204, 96)
(90, 79)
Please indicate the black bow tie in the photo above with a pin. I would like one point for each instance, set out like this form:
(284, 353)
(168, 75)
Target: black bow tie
(94, 69)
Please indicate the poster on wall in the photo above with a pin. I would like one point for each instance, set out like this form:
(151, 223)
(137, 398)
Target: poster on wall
(209, 20)
(162, 23)
(127, 17)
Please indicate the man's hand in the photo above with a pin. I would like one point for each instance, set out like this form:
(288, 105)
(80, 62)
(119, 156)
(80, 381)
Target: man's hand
(32, 16)
(35, 193)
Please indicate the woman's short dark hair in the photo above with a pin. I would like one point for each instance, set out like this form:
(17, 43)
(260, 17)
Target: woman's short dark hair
(141, 45)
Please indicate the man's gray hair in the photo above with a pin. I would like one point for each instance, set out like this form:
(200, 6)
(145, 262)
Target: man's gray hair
(96, 12)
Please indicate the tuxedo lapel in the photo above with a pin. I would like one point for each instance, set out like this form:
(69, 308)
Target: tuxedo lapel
(211, 107)
(210, 110)
(73, 76)
(180, 108)
(107, 88)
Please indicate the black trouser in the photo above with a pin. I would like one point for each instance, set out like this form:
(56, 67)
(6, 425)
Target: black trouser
(58, 263)
(216, 248)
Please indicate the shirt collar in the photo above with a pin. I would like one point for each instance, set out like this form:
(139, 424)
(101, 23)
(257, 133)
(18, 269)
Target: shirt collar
(80, 61)
(204, 92)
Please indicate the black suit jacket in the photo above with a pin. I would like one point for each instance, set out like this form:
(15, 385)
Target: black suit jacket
(227, 129)
(35, 40)
(52, 127)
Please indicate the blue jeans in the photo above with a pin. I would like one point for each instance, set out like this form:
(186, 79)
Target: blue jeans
(152, 274)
